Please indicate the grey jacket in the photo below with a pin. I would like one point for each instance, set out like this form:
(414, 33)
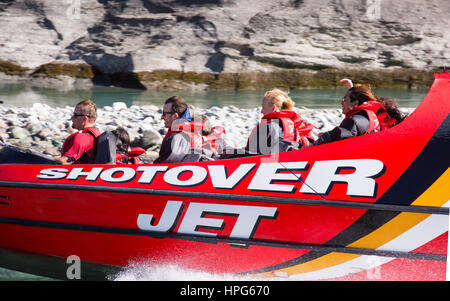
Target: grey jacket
(350, 127)
(174, 149)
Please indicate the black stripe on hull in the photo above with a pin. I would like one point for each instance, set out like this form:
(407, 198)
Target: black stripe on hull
(53, 266)
(215, 240)
(231, 197)
(429, 165)
(368, 222)
(432, 161)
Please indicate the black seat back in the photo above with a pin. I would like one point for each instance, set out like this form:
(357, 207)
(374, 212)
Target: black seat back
(106, 149)
(15, 155)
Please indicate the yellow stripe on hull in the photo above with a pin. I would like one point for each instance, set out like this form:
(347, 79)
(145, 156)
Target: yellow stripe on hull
(435, 196)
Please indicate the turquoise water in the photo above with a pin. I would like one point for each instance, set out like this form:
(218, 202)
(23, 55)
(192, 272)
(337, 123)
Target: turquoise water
(23, 95)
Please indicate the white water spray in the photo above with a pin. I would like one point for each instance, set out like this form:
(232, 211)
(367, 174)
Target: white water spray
(172, 272)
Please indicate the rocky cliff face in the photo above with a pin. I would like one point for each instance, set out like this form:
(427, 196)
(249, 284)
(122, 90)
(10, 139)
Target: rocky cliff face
(212, 38)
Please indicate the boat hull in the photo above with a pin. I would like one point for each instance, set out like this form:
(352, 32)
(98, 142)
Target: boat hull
(371, 207)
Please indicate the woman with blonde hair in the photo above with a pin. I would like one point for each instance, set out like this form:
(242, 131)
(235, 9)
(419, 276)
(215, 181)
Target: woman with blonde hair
(280, 126)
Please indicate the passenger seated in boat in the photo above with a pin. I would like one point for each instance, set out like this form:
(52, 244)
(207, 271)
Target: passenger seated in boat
(122, 145)
(113, 147)
(213, 138)
(393, 117)
(79, 148)
(280, 127)
(361, 109)
(183, 137)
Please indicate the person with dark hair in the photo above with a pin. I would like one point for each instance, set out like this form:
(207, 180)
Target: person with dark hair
(79, 148)
(360, 108)
(391, 115)
(183, 136)
(122, 145)
(394, 115)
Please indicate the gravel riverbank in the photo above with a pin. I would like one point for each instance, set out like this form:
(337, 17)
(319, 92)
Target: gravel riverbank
(44, 128)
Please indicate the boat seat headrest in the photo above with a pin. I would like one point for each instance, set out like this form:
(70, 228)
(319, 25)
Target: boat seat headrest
(192, 158)
(10, 154)
(106, 149)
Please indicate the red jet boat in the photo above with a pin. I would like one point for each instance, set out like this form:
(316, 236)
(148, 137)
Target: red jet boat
(369, 207)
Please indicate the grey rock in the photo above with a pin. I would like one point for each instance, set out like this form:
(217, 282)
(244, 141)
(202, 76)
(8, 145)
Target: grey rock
(19, 133)
(150, 137)
(33, 125)
(238, 123)
(119, 106)
(25, 142)
(226, 36)
(57, 143)
(3, 124)
(44, 133)
(51, 150)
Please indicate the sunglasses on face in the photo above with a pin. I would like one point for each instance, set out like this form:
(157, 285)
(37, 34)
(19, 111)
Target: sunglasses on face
(165, 113)
(78, 115)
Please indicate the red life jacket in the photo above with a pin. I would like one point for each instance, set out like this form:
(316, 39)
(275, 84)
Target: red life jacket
(192, 129)
(379, 119)
(294, 128)
(371, 108)
(91, 152)
(132, 156)
(93, 131)
(212, 141)
(385, 120)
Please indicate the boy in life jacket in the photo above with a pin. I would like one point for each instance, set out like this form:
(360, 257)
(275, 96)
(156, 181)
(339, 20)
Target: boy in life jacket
(79, 148)
(213, 138)
(279, 127)
(360, 108)
(183, 135)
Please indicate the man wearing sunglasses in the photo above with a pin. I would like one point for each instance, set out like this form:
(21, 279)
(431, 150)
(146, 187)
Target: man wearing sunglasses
(79, 148)
(181, 137)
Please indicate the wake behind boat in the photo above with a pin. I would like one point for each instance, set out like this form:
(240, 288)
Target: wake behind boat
(369, 207)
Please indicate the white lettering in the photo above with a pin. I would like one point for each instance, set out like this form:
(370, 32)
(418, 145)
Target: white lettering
(168, 218)
(248, 217)
(127, 174)
(149, 173)
(267, 173)
(358, 174)
(90, 175)
(220, 178)
(199, 174)
(359, 183)
(53, 174)
(193, 218)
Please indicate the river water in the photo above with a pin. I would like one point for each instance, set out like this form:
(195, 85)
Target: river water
(23, 96)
